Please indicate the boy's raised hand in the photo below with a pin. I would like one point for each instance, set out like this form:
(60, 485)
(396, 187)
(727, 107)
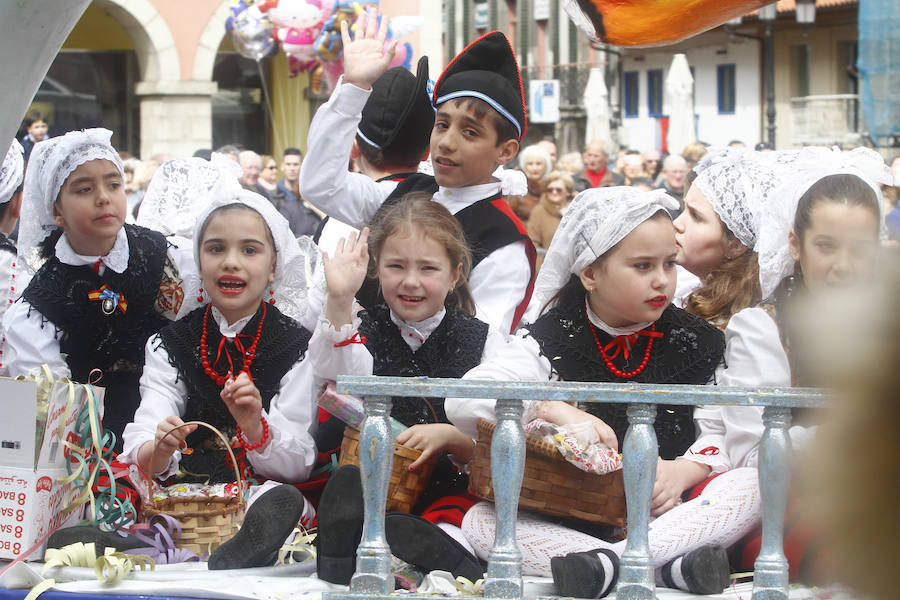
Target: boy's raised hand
(366, 58)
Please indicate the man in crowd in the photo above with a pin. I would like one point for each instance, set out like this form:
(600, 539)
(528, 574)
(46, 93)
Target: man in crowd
(673, 173)
(303, 219)
(596, 168)
(251, 165)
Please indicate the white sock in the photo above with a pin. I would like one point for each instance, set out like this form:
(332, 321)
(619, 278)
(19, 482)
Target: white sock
(608, 570)
(727, 509)
(675, 574)
(538, 539)
(457, 534)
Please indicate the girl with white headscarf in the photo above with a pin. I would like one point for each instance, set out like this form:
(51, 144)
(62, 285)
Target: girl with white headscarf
(249, 378)
(101, 287)
(800, 225)
(602, 312)
(12, 272)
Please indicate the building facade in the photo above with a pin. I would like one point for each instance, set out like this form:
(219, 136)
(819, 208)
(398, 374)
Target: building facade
(165, 77)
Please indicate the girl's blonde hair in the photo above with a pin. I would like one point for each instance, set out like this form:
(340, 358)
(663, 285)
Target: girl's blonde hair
(415, 213)
(729, 288)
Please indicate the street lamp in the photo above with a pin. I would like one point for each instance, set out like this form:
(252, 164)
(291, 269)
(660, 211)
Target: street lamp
(806, 12)
(767, 15)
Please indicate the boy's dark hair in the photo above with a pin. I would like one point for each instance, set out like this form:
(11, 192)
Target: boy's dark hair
(292, 152)
(33, 118)
(485, 112)
(400, 155)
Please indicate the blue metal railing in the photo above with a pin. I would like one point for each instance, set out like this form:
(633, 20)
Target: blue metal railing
(373, 578)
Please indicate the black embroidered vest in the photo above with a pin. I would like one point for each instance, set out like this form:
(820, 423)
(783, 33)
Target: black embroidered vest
(688, 353)
(282, 343)
(90, 338)
(452, 349)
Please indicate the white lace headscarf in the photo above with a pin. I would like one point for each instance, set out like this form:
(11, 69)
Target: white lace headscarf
(12, 171)
(596, 220)
(51, 162)
(807, 167)
(295, 258)
(738, 182)
(182, 188)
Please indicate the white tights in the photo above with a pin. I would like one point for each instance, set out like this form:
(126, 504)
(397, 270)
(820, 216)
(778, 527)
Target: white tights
(726, 510)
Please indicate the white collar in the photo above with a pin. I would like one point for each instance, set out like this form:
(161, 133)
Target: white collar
(229, 331)
(461, 197)
(117, 259)
(415, 333)
(609, 329)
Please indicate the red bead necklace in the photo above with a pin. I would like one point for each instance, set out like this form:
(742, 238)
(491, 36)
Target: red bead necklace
(608, 361)
(249, 355)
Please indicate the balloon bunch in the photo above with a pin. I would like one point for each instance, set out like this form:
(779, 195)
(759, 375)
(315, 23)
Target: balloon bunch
(309, 32)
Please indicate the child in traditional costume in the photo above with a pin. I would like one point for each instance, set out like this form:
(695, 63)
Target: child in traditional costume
(480, 118)
(237, 363)
(102, 287)
(604, 313)
(425, 328)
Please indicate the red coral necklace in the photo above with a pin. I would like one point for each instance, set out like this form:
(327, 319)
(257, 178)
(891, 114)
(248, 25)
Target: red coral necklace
(249, 354)
(621, 342)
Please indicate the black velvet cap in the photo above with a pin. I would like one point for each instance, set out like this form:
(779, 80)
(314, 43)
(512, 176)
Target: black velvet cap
(486, 69)
(398, 111)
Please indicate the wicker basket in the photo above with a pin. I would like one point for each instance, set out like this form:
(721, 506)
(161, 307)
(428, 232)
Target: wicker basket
(406, 486)
(551, 485)
(205, 522)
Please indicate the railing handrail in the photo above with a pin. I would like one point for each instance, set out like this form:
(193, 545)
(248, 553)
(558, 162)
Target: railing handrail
(373, 579)
(623, 393)
(825, 97)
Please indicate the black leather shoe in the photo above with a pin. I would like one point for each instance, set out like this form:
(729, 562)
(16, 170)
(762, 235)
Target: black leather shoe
(706, 570)
(424, 544)
(267, 524)
(581, 574)
(341, 512)
(91, 533)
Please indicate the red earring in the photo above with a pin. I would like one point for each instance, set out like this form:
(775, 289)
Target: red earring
(271, 296)
(200, 297)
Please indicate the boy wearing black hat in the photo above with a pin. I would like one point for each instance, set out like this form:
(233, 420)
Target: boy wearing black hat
(480, 119)
(381, 118)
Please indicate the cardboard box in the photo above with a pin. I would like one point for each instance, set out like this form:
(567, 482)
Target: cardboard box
(31, 497)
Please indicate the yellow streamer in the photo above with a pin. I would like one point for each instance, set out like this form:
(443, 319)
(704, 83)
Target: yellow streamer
(469, 588)
(40, 589)
(302, 542)
(110, 569)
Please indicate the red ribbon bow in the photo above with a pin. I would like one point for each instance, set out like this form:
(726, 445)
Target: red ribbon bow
(624, 343)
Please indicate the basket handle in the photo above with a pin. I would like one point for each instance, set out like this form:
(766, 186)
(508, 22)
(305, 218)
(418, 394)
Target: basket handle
(237, 473)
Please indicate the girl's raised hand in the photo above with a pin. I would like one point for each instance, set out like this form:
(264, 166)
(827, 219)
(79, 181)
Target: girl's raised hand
(344, 275)
(346, 271)
(245, 404)
(434, 438)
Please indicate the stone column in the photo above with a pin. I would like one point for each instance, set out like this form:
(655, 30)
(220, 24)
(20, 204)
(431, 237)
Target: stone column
(176, 116)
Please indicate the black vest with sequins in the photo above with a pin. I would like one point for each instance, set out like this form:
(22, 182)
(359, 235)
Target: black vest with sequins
(282, 342)
(92, 339)
(453, 348)
(688, 353)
